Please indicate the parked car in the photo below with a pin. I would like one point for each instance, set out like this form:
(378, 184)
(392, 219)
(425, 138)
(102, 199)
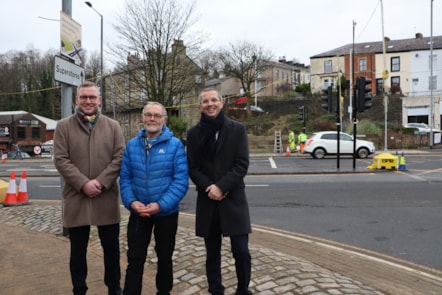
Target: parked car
(258, 109)
(421, 127)
(253, 108)
(324, 143)
(12, 154)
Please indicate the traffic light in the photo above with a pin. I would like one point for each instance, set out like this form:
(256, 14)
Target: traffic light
(327, 104)
(301, 113)
(364, 94)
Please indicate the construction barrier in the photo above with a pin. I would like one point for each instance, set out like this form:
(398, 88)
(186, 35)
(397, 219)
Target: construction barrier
(11, 194)
(288, 153)
(22, 197)
(384, 161)
(402, 166)
(8, 191)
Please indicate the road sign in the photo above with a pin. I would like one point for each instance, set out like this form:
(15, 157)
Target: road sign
(67, 72)
(37, 150)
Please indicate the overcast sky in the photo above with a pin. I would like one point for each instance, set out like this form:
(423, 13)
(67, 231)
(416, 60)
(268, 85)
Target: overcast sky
(296, 29)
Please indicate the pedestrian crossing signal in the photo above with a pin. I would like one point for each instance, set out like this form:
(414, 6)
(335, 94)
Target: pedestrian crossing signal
(301, 113)
(364, 94)
(327, 100)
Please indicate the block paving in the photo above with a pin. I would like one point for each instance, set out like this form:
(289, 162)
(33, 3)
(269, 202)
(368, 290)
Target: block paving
(34, 260)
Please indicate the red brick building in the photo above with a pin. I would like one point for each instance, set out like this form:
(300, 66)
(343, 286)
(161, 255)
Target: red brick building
(24, 129)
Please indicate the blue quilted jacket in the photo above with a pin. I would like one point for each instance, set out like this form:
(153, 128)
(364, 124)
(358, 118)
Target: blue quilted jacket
(162, 176)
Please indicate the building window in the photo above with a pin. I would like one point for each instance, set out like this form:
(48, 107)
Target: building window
(325, 84)
(362, 65)
(379, 86)
(36, 133)
(432, 82)
(143, 95)
(198, 79)
(21, 132)
(395, 81)
(395, 85)
(395, 64)
(434, 61)
(127, 87)
(277, 75)
(328, 67)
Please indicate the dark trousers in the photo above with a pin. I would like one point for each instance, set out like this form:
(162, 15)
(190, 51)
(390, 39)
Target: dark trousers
(139, 232)
(241, 254)
(109, 237)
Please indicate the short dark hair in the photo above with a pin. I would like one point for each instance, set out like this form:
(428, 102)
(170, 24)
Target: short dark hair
(220, 97)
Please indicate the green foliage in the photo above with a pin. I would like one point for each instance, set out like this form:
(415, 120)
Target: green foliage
(303, 88)
(322, 123)
(410, 131)
(345, 84)
(293, 123)
(259, 124)
(368, 127)
(365, 127)
(177, 125)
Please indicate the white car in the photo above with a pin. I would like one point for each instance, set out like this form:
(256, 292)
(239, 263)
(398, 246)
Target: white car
(421, 127)
(325, 143)
(256, 109)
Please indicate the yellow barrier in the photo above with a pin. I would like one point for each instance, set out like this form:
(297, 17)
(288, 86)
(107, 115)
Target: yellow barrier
(3, 190)
(384, 161)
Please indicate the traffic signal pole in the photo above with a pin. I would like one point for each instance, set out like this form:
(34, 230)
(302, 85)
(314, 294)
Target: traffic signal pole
(338, 124)
(302, 111)
(355, 122)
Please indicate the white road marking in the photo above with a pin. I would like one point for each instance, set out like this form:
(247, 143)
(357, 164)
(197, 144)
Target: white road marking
(272, 163)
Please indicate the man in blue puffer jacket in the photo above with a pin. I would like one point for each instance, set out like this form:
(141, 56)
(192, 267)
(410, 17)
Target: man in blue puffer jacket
(153, 180)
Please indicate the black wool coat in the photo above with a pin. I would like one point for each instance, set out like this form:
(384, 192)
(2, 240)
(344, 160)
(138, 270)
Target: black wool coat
(227, 170)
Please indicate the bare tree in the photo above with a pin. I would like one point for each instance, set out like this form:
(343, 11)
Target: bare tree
(26, 82)
(207, 60)
(92, 66)
(151, 40)
(245, 61)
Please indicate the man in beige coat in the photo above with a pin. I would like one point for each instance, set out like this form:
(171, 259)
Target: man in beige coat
(88, 148)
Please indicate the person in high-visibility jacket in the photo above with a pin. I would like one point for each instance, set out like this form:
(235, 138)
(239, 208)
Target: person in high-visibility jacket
(291, 140)
(302, 138)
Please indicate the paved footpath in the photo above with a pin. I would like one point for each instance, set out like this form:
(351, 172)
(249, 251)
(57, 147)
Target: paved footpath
(34, 260)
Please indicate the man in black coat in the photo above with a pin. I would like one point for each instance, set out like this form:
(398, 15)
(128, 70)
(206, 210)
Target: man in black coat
(218, 156)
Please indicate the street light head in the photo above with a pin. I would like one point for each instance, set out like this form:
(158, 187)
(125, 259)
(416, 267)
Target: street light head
(88, 3)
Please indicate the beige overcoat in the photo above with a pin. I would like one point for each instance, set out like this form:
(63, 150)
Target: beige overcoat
(81, 154)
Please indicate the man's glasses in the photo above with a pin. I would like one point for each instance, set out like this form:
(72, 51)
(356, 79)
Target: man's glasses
(155, 116)
(91, 97)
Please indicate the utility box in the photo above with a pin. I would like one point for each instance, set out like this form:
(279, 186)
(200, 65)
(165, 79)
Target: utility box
(384, 161)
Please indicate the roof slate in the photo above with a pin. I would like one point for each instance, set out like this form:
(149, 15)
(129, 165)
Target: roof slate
(404, 45)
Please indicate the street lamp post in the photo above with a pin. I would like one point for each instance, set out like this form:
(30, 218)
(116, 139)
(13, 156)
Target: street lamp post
(256, 80)
(101, 48)
(431, 78)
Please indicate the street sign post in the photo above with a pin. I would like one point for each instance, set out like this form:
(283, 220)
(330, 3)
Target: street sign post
(68, 72)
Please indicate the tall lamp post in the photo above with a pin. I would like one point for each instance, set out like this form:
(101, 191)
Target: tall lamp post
(254, 57)
(101, 54)
(431, 78)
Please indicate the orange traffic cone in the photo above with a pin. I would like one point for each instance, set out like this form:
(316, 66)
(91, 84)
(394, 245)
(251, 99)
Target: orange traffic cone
(287, 153)
(11, 195)
(3, 157)
(22, 197)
